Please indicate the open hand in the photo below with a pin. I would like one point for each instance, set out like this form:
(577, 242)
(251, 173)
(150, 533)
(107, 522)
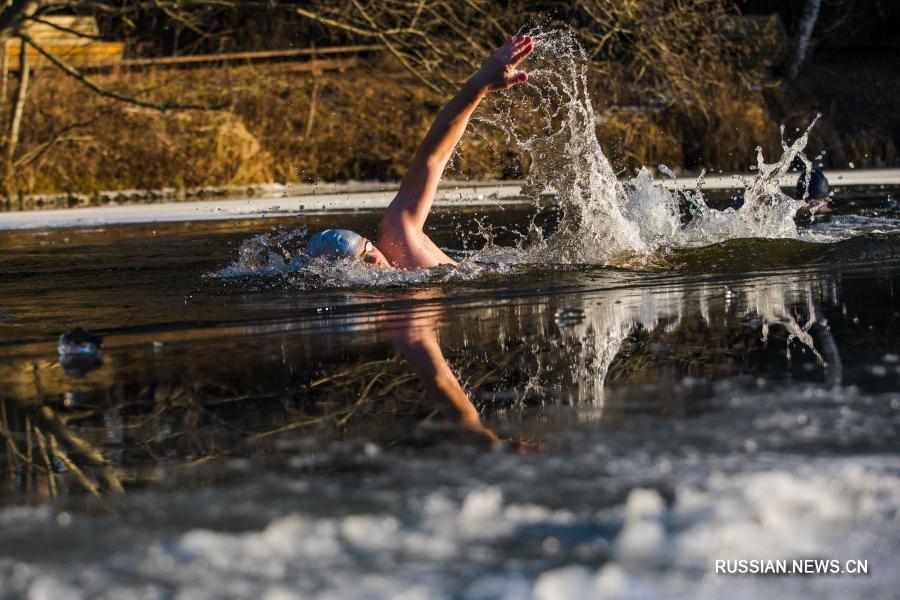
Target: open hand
(499, 71)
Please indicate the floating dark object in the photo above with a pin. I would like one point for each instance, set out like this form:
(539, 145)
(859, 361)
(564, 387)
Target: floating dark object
(816, 184)
(79, 351)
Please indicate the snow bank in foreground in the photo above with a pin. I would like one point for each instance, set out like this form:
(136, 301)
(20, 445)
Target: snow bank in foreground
(645, 548)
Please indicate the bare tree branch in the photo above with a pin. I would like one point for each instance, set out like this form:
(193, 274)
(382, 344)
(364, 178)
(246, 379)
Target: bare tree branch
(58, 136)
(14, 13)
(91, 84)
(381, 35)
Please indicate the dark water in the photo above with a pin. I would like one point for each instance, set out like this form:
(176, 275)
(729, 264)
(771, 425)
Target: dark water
(258, 436)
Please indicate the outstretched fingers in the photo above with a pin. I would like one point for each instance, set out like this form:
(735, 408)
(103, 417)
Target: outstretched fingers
(499, 71)
(522, 51)
(513, 45)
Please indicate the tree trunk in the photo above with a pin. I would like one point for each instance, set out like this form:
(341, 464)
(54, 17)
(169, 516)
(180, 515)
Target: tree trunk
(4, 72)
(804, 32)
(313, 96)
(19, 107)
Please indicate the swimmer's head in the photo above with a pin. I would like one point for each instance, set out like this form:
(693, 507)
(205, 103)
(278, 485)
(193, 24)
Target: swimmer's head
(336, 243)
(343, 243)
(817, 185)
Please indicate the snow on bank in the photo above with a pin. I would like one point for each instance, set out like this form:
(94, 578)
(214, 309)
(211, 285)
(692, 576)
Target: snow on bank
(465, 195)
(214, 210)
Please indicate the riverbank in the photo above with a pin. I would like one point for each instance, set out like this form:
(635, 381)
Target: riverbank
(294, 128)
(274, 200)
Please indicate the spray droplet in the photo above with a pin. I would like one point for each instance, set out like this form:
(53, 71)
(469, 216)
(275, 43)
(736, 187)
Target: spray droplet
(666, 171)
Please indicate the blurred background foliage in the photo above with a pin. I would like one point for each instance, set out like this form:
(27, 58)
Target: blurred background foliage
(689, 83)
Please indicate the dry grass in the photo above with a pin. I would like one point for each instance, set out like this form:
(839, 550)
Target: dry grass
(367, 127)
(360, 130)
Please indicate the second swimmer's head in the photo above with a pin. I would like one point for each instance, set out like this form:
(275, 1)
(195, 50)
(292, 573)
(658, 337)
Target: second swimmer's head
(817, 185)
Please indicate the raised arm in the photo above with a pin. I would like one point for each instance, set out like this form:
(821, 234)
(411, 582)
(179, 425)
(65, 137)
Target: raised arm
(413, 202)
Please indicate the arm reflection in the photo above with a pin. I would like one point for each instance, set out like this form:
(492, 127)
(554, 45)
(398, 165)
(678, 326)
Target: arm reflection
(416, 340)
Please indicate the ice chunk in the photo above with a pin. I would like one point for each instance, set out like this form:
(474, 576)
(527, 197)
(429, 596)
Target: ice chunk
(479, 508)
(642, 540)
(564, 584)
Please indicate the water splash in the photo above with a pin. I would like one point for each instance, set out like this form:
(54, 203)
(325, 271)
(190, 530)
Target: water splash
(767, 212)
(604, 220)
(278, 258)
(268, 254)
(566, 156)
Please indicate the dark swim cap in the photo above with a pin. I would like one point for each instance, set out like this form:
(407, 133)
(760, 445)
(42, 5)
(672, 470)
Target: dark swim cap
(818, 185)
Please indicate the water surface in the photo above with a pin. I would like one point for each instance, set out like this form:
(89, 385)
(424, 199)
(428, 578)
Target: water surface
(262, 433)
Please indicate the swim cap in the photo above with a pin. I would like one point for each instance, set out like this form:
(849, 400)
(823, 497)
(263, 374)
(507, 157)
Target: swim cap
(334, 243)
(818, 185)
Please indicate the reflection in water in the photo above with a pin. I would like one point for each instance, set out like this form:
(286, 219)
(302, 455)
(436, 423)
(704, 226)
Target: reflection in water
(416, 340)
(79, 351)
(593, 330)
(608, 351)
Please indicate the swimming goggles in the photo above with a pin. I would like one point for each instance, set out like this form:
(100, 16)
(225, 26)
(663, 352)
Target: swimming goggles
(368, 248)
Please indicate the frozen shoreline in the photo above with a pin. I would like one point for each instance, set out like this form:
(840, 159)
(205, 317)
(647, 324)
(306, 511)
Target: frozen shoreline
(281, 201)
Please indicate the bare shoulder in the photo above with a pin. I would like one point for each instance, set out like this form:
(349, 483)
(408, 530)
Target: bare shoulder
(408, 247)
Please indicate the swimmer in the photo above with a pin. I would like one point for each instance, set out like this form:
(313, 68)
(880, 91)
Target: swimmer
(815, 194)
(815, 191)
(402, 243)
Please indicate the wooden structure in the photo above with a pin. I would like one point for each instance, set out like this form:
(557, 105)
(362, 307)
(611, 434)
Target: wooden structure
(75, 40)
(324, 58)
